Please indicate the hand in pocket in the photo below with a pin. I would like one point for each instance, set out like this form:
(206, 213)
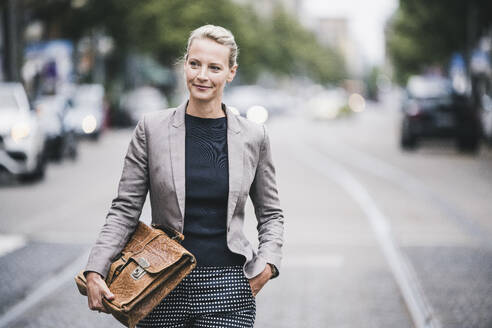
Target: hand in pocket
(257, 283)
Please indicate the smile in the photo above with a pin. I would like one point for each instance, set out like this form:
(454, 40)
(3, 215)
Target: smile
(201, 87)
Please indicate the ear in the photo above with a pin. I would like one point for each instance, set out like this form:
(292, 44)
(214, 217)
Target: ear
(232, 73)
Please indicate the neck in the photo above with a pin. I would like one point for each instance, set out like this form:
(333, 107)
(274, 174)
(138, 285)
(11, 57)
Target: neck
(205, 109)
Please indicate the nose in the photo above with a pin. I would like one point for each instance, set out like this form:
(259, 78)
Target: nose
(202, 73)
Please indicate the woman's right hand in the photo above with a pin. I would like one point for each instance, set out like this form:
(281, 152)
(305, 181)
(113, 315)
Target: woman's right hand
(96, 290)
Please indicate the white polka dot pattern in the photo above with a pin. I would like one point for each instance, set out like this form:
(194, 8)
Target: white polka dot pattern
(207, 297)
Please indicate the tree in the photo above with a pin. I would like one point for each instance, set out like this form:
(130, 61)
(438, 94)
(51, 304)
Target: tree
(425, 33)
(160, 28)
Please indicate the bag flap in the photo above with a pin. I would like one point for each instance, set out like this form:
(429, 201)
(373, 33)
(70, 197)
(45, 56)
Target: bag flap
(159, 254)
(140, 237)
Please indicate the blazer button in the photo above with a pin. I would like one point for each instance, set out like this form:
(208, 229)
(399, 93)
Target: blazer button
(228, 229)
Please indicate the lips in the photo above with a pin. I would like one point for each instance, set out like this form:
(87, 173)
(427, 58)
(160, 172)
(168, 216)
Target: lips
(201, 87)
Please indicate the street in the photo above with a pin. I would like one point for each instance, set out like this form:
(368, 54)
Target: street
(375, 236)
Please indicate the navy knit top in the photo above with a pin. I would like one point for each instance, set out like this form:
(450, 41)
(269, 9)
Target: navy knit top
(207, 188)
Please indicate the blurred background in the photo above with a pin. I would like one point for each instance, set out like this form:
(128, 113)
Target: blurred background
(380, 119)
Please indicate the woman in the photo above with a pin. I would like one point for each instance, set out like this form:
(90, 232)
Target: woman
(204, 156)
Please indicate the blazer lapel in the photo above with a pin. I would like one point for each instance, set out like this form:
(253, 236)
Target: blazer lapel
(235, 148)
(177, 142)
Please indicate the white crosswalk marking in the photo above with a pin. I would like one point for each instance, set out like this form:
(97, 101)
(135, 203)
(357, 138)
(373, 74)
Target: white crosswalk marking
(9, 243)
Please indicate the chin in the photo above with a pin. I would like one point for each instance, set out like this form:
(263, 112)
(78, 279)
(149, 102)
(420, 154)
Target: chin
(201, 97)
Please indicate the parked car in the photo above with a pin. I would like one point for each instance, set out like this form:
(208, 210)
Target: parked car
(88, 114)
(142, 100)
(327, 104)
(61, 136)
(486, 115)
(481, 71)
(22, 138)
(432, 109)
(247, 99)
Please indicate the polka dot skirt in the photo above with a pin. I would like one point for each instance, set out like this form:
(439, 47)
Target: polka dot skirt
(207, 297)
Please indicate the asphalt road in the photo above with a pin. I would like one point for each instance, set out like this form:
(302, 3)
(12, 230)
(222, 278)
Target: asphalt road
(368, 227)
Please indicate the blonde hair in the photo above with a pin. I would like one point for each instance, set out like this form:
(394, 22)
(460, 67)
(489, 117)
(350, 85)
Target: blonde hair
(218, 34)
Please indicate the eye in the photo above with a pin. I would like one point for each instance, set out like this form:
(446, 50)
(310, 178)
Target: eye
(215, 68)
(193, 64)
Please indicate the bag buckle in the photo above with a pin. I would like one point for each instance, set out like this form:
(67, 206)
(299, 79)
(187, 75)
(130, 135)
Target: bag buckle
(138, 273)
(143, 262)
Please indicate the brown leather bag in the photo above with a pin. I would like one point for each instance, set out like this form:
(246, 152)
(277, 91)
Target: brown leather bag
(149, 267)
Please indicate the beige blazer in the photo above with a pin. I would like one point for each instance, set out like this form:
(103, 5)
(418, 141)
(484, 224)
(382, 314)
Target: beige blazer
(155, 163)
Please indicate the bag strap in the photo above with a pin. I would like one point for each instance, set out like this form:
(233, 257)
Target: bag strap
(172, 233)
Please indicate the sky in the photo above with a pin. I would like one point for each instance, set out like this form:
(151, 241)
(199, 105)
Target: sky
(366, 21)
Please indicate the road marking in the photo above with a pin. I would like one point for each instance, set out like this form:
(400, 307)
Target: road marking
(48, 287)
(420, 310)
(381, 169)
(9, 243)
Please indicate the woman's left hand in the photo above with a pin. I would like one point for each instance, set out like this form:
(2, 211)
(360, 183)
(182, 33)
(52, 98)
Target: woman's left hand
(260, 280)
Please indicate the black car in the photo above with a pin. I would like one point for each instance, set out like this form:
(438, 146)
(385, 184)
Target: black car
(432, 109)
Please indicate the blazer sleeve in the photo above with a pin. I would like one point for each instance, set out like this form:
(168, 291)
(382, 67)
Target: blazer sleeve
(264, 196)
(124, 213)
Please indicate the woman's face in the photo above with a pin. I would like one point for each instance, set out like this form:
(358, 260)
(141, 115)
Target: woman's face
(207, 69)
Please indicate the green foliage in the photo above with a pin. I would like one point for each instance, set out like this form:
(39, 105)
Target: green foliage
(294, 50)
(425, 33)
(371, 81)
(161, 28)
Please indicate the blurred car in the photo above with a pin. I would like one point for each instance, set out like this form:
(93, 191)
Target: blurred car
(22, 138)
(486, 116)
(327, 104)
(481, 82)
(244, 97)
(87, 115)
(142, 100)
(248, 98)
(482, 96)
(432, 109)
(61, 136)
